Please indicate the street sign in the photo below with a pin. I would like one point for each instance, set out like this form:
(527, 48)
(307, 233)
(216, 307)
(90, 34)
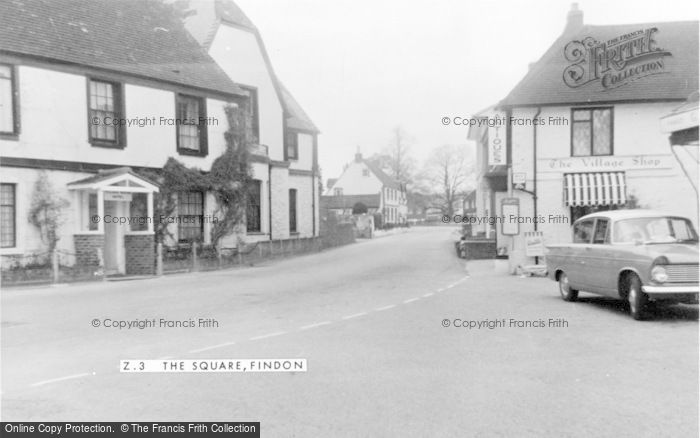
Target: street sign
(534, 243)
(519, 177)
(510, 210)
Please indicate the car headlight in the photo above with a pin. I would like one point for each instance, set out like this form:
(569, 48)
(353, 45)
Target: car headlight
(659, 274)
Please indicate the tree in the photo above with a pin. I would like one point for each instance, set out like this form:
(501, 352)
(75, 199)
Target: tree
(448, 173)
(45, 212)
(396, 157)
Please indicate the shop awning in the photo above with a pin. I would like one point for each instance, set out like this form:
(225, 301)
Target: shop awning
(595, 188)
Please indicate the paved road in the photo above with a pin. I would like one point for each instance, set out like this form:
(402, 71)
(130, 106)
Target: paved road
(369, 320)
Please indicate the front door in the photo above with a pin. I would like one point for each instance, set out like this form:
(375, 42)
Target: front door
(114, 238)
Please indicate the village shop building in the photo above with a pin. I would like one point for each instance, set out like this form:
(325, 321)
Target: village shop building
(64, 65)
(583, 131)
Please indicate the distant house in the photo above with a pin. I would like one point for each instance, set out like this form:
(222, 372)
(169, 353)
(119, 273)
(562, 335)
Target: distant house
(363, 186)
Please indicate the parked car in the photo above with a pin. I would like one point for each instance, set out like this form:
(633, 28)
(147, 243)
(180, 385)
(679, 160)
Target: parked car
(639, 256)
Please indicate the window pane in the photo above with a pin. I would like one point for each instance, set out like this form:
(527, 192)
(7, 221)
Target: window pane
(601, 132)
(582, 231)
(582, 114)
(581, 138)
(188, 113)
(92, 211)
(6, 100)
(7, 215)
(190, 216)
(601, 231)
(102, 107)
(253, 208)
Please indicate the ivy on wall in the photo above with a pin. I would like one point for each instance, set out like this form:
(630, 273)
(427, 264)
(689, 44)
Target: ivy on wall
(229, 180)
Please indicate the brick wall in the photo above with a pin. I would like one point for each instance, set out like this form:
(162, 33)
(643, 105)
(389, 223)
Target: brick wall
(86, 248)
(140, 254)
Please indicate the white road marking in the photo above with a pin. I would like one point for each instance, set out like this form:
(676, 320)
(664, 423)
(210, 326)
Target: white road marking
(356, 315)
(390, 306)
(440, 290)
(310, 326)
(269, 335)
(199, 350)
(164, 358)
(410, 300)
(59, 379)
(429, 294)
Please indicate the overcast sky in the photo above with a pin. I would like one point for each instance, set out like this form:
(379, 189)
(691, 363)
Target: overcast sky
(361, 67)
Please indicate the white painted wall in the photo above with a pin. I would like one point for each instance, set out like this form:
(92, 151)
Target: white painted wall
(353, 182)
(237, 52)
(54, 115)
(306, 152)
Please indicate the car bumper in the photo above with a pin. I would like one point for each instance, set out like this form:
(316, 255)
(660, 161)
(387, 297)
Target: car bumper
(671, 289)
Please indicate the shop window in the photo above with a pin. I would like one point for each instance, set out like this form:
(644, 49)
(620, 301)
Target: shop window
(105, 109)
(190, 209)
(191, 128)
(592, 132)
(253, 210)
(8, 211)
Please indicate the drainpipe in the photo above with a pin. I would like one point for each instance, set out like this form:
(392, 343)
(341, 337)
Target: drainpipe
(269, 196)
(534, 168)
(314, 165)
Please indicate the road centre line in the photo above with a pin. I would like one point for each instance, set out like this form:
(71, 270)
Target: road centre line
(269, 335)
(355, 315)
(60, 379)
(390, 306)
(199, 350)
(318, 324)
(410, 300)
(429, 294)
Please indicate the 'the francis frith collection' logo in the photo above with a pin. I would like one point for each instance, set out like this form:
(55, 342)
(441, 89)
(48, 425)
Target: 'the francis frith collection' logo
(614, 62)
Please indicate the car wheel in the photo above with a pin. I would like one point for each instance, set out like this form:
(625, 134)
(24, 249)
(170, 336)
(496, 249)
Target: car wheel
(565, 290)
(638, 300)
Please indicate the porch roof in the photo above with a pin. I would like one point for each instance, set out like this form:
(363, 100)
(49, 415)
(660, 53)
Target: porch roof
(112, 179)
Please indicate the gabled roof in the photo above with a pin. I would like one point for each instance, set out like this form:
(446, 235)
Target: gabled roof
(348, 201)
(296, 117)
(383, 177)
(112, 176)
(544, 83)
(143, 38)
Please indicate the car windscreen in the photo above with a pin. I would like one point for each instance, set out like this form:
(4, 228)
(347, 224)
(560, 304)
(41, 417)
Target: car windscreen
(654, 230)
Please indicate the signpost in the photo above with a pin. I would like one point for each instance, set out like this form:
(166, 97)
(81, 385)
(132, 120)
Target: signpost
(510, 208)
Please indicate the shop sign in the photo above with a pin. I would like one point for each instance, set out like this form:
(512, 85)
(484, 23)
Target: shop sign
(605, 164)
(510, 208)
(497, 144)
(614, 62)
(534, 244)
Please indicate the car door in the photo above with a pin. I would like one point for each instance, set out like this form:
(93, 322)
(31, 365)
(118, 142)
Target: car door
(577, 267)
(600, 269)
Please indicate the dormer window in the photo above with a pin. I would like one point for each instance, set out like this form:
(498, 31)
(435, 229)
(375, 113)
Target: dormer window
(292, 146)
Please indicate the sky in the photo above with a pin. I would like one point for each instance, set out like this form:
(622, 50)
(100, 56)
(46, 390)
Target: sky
(361, 67)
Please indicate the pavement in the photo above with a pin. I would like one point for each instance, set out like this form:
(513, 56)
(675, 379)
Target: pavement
(384, 327)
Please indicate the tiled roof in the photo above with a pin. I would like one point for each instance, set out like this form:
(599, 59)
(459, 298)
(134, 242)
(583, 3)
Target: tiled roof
(105, 174)
(386, 180)
(544, 83)
(136, 37)
(296, 117)
(348, 201)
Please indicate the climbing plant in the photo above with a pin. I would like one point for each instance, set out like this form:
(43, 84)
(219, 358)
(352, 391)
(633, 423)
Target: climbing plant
(45, 211)
(229, 180)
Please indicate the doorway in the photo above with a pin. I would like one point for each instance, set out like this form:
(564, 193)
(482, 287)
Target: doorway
(114, 252)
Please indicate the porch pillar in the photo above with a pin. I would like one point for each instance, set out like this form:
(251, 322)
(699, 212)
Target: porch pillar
(149, 209)
(100, 211)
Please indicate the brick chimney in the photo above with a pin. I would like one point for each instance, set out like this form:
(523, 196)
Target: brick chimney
(358, 155)
(574, 19)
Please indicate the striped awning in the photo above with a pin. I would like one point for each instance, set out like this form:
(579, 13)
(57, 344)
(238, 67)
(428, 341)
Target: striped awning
(598, 188)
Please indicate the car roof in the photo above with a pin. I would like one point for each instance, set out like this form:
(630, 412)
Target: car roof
(627, 214)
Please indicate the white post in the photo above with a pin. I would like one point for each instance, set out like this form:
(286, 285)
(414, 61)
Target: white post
(149, 209)
(100, 211)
